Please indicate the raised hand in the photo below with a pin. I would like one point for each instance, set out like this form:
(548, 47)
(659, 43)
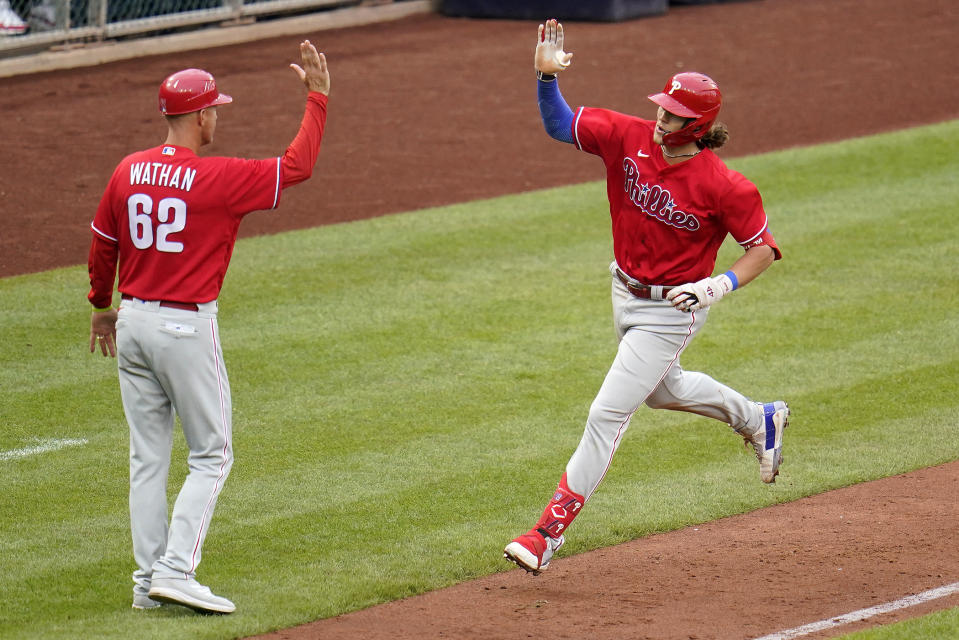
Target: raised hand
(314, 72)
(550, 57)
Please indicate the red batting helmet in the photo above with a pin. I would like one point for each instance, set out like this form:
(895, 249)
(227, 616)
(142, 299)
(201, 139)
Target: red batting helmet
(690, 95)
(190, 90)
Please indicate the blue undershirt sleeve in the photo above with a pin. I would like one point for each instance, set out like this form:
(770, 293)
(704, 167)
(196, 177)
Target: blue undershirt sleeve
(556, 114)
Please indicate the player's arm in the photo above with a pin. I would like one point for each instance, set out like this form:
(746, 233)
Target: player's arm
(102, 266)
(751, 264)
(300, 157)
(694, 296)
(548, 60)
(761, 251)
(555, 111)
(742, 209)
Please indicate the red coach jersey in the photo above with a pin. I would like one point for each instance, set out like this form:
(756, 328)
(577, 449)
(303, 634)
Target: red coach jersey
(668, 221)
(174, 216)
(171, 217)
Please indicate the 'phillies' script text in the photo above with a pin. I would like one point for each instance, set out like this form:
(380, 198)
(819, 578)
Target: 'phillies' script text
(655, 201)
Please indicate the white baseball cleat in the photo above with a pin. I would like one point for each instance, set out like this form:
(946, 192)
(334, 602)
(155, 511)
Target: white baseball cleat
(533, 550)
(189, 593)
(767, 441)
(141, 602)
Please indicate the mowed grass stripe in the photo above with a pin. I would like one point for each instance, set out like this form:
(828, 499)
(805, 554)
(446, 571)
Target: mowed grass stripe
(408, 389)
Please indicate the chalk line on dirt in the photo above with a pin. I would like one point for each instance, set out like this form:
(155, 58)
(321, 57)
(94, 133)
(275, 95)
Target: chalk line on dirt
(863, 614)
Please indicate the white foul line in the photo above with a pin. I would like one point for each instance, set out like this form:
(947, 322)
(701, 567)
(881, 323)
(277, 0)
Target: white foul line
(43, 446)
(863, 614)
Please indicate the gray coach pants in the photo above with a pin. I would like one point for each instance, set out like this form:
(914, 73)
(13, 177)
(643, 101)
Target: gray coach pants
(170, 362)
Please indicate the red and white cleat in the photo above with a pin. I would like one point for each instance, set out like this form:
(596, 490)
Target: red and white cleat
(533, 550)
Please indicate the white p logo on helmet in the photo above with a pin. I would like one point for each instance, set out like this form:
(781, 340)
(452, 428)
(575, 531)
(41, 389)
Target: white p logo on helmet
(676, 85)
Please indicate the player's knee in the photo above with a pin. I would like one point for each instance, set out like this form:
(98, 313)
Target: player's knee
(656, 401)
(218, 460)
(661, 398)
(604, 417)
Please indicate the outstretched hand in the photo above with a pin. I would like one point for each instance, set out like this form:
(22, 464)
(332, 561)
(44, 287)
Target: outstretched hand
(550, 57)
(313, 73)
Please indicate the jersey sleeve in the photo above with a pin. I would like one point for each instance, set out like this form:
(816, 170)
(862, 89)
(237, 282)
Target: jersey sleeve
(744, 216)
(300, 157)
(105, 221)
(254, 184)
(257, 184)
(104, 248)
(594, 129)
(102, 269)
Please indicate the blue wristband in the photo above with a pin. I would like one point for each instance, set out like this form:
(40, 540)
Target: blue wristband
(732, 278)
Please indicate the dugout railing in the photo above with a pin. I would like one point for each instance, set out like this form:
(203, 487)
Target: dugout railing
(59, 24)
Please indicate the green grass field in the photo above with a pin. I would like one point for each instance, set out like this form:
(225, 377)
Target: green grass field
(413, 385)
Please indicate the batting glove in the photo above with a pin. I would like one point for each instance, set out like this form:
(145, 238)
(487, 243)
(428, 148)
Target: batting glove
(550, 57)
(699, 295)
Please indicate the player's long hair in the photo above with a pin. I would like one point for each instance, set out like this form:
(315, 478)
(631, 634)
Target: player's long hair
(716, 137)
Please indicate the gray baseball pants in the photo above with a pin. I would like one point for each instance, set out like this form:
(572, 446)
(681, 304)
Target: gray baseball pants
(652, 335)
(170, 363)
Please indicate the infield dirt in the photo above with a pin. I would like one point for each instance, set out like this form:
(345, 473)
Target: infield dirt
(432, 110)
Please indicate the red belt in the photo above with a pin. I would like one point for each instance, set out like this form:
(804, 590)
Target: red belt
(639, 289)
(186, 306)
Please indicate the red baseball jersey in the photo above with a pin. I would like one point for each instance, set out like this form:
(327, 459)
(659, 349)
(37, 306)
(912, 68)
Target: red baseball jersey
(668, 221)
(174, 216)
(171, 217)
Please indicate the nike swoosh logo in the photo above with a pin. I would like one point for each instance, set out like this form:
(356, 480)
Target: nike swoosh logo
(641, 154)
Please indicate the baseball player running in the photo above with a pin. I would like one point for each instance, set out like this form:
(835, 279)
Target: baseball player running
(672, 202)
(169, 219)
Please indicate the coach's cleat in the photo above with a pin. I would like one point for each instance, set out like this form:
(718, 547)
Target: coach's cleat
(767, 441)
(533, 550)
(189, 593)
(142, 601)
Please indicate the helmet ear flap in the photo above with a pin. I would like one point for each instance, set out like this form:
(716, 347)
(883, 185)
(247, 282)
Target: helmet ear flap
(694, 129)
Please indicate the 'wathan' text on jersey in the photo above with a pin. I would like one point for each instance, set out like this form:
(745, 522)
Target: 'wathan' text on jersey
(655, 201)
(161, 174)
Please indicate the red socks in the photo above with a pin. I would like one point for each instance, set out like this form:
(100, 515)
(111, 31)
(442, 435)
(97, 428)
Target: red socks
(560, 511)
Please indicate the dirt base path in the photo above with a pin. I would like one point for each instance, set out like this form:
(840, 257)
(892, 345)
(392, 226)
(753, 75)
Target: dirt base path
(433, 110)
(737, 578)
